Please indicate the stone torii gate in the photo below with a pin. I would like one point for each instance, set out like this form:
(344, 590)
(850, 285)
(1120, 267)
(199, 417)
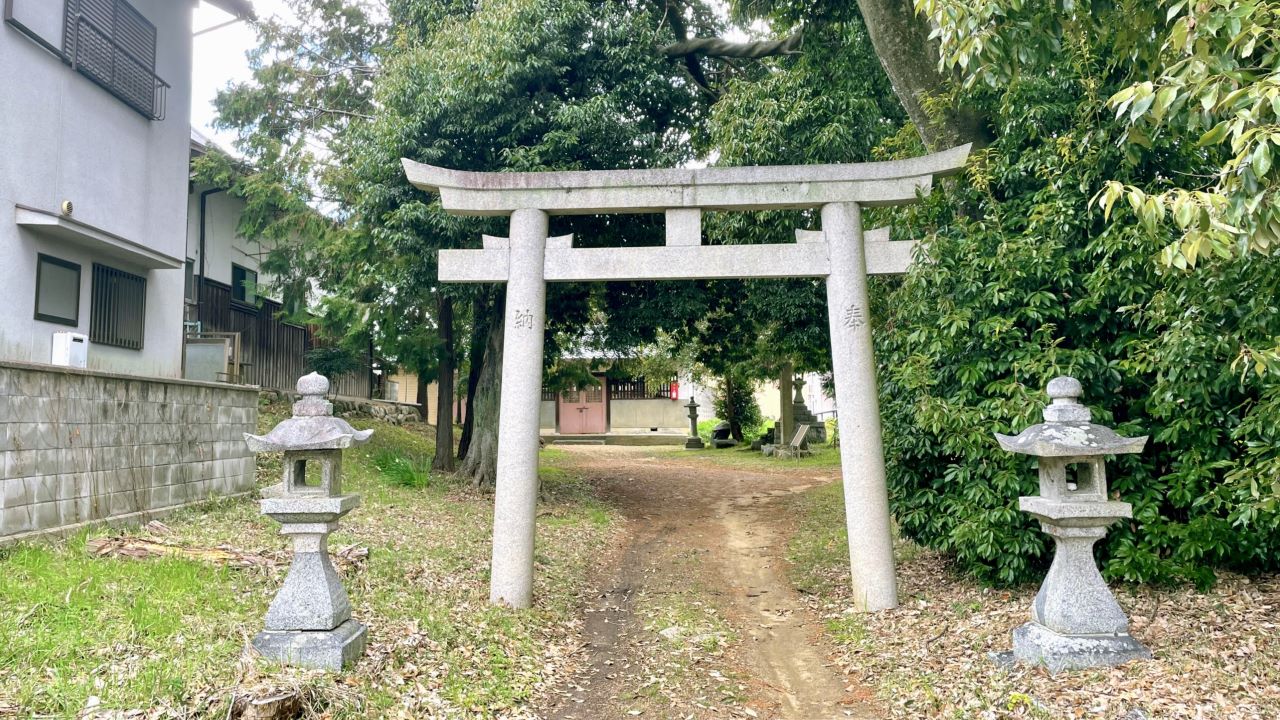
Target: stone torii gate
(841, 252)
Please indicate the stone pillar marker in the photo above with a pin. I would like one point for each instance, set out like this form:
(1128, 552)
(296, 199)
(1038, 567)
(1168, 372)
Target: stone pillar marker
(695, 440)
(853, 364)
(309, 622)
(786, 408)
(516, 494)
(1075, 621)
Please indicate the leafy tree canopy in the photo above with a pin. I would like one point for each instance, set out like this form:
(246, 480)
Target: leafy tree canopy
(1024, 282)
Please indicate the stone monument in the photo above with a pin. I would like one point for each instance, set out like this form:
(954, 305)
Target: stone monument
(1075, 621)
(695, 440)
(800, 411)
(309, 622)
(722, 436)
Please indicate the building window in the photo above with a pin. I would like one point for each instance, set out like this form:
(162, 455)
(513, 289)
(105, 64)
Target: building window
(114, 45)
(189, 291)
(119, 308)
(57, 291)
(244, 285)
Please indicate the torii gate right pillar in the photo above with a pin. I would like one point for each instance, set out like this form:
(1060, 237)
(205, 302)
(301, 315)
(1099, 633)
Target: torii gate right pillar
(853, 364)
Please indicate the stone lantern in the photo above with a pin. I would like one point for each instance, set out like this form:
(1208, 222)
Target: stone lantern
(309, 622)
(694, 442)
(1075, 621)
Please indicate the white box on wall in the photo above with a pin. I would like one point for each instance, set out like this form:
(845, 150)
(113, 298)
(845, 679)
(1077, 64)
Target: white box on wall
(70, 349)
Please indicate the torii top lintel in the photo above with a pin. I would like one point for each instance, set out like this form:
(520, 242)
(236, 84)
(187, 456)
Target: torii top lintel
(715, 188)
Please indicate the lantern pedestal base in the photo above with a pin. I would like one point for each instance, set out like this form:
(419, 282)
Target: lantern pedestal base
(1035, 644)
(317, 649)
(694, 443)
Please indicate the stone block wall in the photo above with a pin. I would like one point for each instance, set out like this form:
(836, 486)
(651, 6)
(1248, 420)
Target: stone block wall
(388, 411)
(80, 447)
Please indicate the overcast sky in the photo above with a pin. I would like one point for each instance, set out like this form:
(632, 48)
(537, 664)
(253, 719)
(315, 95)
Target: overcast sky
(219, 59)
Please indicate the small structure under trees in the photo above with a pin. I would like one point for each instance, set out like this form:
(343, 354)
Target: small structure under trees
(840, 252)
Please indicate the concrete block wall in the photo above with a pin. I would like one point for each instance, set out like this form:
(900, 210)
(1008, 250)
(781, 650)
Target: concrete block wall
(81, 447)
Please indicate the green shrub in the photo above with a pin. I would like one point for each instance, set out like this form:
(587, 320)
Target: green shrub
(1024, 283)
(740, 404)
(403, 470)
(705, 427)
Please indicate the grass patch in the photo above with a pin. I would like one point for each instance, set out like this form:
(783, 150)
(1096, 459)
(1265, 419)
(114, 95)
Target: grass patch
(168, 635)
(824, 456)
(818, 553)
(122, 630)
(403, 470)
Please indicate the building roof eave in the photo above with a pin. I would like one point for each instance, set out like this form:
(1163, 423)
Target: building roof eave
(239, 8)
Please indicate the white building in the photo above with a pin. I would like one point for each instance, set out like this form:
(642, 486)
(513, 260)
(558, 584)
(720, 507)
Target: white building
(231, 299)
(95, 100)
(215, 248)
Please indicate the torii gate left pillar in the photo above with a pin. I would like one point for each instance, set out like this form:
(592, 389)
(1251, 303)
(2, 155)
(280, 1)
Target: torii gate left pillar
(516, 494)
(841, 253)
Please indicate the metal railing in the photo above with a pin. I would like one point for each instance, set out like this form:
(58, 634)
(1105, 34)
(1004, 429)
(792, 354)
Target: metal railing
(113, 67)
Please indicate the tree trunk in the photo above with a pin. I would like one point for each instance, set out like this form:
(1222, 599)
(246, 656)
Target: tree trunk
(735, 425)
(910, 58)
(420, 397)
(475, 354)
(444, 387)
(481, 461)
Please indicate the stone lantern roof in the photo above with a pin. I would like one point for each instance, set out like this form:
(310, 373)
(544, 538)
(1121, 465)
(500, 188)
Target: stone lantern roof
(313, 426)
(1067, 430)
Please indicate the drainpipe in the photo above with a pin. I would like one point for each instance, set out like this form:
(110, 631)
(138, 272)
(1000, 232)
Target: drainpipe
(204, 209)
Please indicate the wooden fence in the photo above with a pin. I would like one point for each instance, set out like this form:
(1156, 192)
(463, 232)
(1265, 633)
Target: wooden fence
(274, 350)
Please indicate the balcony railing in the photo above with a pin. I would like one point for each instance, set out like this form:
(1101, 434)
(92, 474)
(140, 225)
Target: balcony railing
(104, 60)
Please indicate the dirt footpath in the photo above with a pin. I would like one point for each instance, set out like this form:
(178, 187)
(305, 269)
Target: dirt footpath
(694, 616)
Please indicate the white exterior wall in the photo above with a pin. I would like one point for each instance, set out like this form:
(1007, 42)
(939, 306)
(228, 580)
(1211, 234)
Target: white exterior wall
(223, 244)
(629, 415)
(62, 137)
(769, 399)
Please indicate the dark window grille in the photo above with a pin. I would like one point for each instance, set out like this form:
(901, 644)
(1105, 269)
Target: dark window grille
(119, 308)
(114, 45)
(548, 395)
(635, 389)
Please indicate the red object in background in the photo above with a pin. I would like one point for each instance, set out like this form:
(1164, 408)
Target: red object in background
(675, 391)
